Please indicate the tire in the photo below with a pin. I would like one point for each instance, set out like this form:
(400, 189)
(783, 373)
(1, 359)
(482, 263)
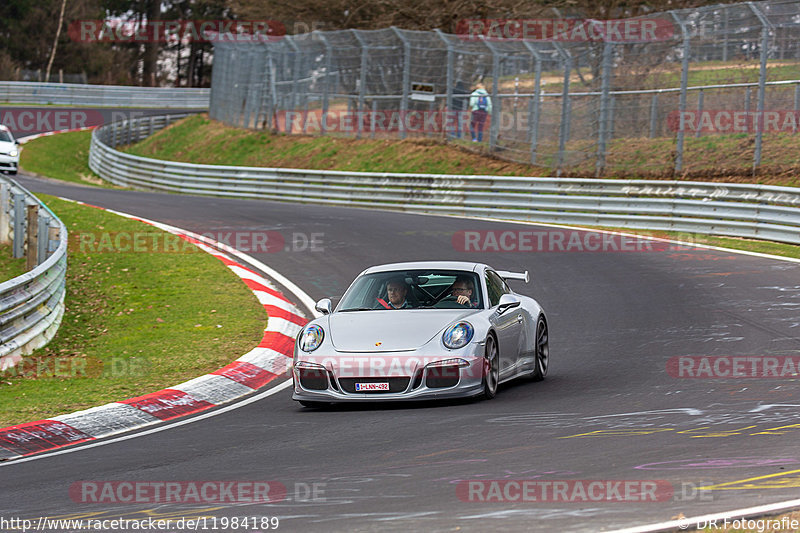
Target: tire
(491, 375)
(542, 350)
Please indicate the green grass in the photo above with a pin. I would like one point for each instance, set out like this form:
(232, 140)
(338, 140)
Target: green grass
(62, 157)
(199, 140)
(668, 75)
(10, 267)
(135, 323)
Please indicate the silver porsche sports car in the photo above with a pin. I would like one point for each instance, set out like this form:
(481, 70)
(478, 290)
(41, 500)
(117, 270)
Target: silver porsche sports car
(421, 330)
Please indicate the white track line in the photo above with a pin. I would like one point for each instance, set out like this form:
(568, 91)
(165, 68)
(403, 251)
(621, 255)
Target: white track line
(693, 522)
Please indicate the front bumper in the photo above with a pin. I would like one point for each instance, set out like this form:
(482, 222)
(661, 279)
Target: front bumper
(410, 377)
(9, 163)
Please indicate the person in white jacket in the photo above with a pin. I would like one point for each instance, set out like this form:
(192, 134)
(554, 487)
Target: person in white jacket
(480, 105)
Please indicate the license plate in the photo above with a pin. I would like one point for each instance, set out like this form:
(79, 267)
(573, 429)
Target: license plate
(362, 387)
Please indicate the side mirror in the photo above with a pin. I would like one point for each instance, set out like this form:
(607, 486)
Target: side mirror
(507, 301)
(16, 142)
(323, 306)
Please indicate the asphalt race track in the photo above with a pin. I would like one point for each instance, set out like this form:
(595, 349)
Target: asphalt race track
(609, 409)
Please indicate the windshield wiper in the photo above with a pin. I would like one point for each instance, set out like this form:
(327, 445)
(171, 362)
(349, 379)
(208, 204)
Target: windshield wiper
(357, 309)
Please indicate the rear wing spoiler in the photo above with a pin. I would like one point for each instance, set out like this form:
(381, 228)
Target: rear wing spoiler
(522, 276)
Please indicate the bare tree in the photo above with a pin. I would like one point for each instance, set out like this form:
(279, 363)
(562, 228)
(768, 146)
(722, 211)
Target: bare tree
(55, 41)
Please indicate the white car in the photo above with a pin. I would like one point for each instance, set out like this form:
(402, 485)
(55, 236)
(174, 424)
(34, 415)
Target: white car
(9, 151)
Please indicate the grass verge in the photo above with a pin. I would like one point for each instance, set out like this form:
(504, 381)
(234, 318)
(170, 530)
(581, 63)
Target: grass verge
(728, 158)
(134, 323)
(63, 157)
(10, 267)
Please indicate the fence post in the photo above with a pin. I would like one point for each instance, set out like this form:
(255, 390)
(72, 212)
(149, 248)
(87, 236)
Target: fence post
(449, 83)
(725, 32)
(406, 80)
(653, 115)
(5, 218)
(762, 80)
(249, 96)
(44, 230)
(535, 105)
(373, 118)
(273, 97)
(298, 57)
(19, 225)
(684, 84)
(796, 103)
(326, 87)
(233, 89)
(497, 105)
(565, 109)
(31, 236)
(699, 113)
(362, 81)
(605, 109)
(54, 237)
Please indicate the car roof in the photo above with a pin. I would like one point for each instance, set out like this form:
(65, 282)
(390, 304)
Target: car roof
(426, 265)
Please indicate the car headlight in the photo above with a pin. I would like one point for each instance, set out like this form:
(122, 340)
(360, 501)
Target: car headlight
(311, 338)
(13, 153)
(307, 365)
(457, 361)
(458, 335)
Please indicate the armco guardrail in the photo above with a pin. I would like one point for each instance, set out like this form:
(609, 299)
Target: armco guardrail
(740, 210)
(26, 92)
(133, 131)
(31, 305)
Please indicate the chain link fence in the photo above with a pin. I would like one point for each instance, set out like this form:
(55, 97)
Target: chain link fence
(572, 102)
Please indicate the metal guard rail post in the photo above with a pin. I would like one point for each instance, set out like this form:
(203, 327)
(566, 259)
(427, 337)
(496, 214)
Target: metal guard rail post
(32, 305)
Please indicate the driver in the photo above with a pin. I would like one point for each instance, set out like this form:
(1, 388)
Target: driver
(397, 290)
(462, 290)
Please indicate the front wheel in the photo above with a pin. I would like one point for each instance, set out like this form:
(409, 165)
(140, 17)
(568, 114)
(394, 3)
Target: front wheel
(542, 350)
(491, 369)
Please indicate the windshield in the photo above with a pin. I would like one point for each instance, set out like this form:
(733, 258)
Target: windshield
(5, 137)
(414, 289)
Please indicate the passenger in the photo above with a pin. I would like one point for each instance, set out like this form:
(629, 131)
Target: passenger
(397, 289)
